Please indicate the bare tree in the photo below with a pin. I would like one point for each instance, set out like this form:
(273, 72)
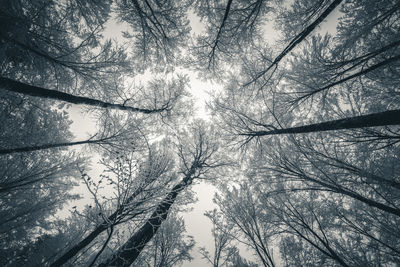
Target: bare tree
(239, 208)
(224, 249)
(325, 178)
(49, 44)
(330, 69)
(385, 118)
(57, 145)
(300, 36)
(303, 225)
(135, 194)
(159, 29)
(169, 246)
(230, 26)
(196, 159)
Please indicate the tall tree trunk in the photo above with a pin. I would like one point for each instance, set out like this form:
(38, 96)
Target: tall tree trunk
(26, 89)
(391, 117)
(128, 253)
(46, 146)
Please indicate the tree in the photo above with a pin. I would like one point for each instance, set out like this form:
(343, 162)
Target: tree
(18, 87)
(344, 190)
(40, 147)
(315, 114)
(64, 51)
(385, 118)
(230, 27)
(325, 176)
(169, 247)
(33, 186)
(47, 37)
(134, 189)
(301, 84)
(312, 234)
(332, 69)
(224, 250)
(56, 49)
(159, 30)
(239, 207)
(318, 8)
(302, 224)
(41, 249)
(312, 224)
(237, 261)
(196, 159)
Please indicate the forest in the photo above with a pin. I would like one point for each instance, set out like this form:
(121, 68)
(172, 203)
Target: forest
(301, 139)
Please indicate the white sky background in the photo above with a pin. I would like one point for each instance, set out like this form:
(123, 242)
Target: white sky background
(197, 224)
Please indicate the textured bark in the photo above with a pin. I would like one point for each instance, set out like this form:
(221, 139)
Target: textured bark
(128, 253)
(391, 117)
(31, 90)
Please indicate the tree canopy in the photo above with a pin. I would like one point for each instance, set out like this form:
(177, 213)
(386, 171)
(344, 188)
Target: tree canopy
(301, 137)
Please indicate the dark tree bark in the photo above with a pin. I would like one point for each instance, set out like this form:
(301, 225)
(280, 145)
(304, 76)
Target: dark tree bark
(26, 89)
(390, 117)
(78, 247)
(46, 146)
(128, 253)
(298, 39)
(103, 247)
(217, 38)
